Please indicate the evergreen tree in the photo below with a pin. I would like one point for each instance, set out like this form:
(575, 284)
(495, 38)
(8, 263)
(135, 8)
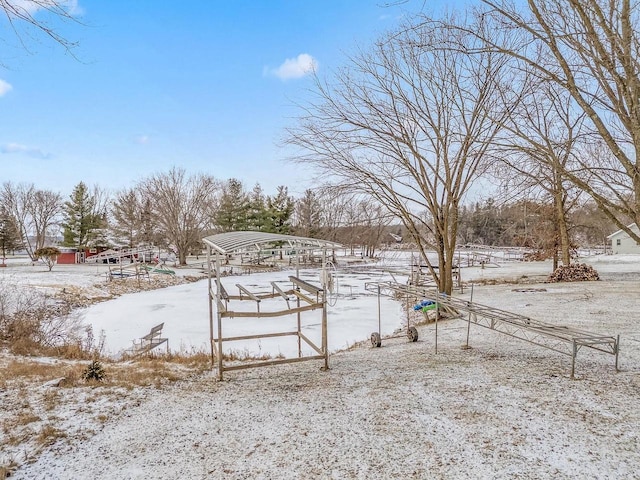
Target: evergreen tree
(81, 218)
(10, 238)
(233, 211)
(257, 217)
(280, 208)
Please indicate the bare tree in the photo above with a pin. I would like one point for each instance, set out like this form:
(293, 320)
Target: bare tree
(410, 125)
(45, 207)
(28, 19)
(307, 216)
(15, 199)
(376, 219)
(126, 216)
(590, 49)
(540, 138)
(182, 206)
(334, 208)
(34, 213)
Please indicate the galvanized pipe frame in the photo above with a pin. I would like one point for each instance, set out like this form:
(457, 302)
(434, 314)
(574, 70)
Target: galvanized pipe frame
(558, 338)
(322, 351)
(219, 294)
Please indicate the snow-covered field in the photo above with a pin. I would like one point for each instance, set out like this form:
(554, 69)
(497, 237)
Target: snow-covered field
(502, 409)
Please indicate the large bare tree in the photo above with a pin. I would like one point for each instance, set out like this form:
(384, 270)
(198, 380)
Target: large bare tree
(34, 213)
(410, 124)
(45, 207)
(540, 138)
(307, 215)
(591, 50)
(181, 206)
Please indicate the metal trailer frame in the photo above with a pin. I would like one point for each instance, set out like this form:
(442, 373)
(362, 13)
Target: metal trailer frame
(376, 338)
(220, 246)
(558, 338)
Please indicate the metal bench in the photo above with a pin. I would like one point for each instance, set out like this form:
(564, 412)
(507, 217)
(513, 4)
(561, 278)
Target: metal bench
(147, 343)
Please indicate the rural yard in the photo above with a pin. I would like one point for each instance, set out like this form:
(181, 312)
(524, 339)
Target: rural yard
(421, 220)
(503, 408)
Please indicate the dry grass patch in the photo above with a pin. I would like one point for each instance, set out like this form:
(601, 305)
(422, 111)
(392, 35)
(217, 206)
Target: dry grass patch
(142, 373)
(49, 434)
(23, 418)
(521, 280)
(30, 371)
(50, 399)
(198, 361)
(145, 372)
(18, 437)
(246, 355)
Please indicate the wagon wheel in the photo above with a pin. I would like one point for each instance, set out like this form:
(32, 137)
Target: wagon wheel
(329, 281)
(376, 341)
(412, 334)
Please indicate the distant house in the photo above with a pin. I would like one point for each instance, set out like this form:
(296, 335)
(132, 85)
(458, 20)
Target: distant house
(621, 242)
(71, 255)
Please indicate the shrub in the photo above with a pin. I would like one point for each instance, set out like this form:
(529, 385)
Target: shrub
(48, 255)
(33, 323)
(94, 372)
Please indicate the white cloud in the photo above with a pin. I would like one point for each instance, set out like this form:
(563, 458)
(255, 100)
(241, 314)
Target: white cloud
(5, 87)
(141, 139)
(34, 152)
(297, 67)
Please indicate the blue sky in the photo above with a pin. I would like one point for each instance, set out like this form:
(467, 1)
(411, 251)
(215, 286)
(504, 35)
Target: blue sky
(204, 85)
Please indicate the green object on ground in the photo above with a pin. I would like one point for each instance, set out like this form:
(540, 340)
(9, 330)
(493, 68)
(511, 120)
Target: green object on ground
(429, 307)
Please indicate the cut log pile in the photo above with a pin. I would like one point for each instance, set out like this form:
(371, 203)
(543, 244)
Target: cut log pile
(576, 272)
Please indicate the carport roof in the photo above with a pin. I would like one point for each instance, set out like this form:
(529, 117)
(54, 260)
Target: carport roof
(230, 242)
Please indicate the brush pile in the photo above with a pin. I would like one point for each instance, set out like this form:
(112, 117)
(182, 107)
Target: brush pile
(576, 272)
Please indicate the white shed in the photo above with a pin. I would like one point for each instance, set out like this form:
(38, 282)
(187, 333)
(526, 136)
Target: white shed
(621, 242)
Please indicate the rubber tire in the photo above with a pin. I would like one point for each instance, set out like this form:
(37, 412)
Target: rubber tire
(376, 341)
(412, 334)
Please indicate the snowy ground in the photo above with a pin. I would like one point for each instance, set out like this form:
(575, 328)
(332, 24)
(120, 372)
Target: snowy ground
(502, 409)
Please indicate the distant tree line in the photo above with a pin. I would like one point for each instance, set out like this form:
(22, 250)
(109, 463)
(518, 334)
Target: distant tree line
(176, 210)
(531, 224)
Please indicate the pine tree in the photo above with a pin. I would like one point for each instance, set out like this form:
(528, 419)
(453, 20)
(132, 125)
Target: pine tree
(94, 372)
(10, 238)
(257, 217)
(234, 207)
(280, 208)
(80, 217)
